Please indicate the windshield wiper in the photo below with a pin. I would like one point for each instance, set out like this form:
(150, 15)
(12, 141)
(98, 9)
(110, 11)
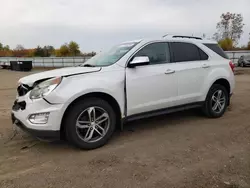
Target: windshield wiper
(88, 65)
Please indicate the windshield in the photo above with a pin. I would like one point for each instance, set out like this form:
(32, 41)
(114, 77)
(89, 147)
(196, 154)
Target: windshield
(110, 57)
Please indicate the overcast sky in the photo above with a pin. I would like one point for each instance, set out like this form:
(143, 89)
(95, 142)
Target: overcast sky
(98, 24)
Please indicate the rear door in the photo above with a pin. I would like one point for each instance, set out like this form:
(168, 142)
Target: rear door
(190, 66)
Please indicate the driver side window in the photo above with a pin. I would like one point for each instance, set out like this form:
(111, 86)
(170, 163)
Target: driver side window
(157, 53)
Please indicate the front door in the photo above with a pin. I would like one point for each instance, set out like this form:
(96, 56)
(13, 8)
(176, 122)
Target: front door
(154, 86)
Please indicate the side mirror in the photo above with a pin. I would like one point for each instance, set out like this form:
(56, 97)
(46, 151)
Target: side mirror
(139, 61)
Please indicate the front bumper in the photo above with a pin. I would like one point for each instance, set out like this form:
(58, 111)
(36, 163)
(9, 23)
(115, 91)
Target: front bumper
(43, 134)
(24, 107)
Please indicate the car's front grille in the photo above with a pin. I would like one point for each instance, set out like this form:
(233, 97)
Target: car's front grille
(19, 106)
(23, 89)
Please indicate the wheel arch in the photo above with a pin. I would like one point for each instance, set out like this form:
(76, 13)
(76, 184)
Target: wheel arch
(108, 98)
(224, 82)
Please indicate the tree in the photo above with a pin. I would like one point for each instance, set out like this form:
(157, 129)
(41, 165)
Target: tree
(226, 44)
(248, 46)
(19, 47)
(30, 53)
(57, 53)
(5, 53)
(64, 50)
(48, 51)
(39, 52)
(230, 26)
(73, 48)
(20, 53)
(6, 48)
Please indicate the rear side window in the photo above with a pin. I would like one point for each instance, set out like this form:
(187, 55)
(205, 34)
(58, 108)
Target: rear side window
(187, 52)
(217, 49)
(203, 55)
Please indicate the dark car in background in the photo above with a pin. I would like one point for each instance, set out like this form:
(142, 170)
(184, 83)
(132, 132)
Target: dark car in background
(244, 61)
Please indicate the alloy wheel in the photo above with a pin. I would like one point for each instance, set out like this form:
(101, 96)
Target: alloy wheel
(218, 101)
(92, 124)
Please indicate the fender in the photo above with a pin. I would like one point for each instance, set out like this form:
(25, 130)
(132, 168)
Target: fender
(76, 86)
(213, 76)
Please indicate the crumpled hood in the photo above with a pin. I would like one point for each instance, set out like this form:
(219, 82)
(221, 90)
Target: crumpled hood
(29, 80)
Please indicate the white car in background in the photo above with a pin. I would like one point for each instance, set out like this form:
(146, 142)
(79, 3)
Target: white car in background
(133, 80)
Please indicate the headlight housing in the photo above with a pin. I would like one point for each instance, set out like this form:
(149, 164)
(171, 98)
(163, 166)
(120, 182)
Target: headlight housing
(44, 88)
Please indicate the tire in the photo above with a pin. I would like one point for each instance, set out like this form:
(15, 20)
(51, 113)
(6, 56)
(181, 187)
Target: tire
(208, 109)
(81, 109)
(242, 65)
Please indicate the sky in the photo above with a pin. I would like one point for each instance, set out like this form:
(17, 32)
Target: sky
(99, 24)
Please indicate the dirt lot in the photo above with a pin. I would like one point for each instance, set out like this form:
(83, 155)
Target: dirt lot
(178, 150)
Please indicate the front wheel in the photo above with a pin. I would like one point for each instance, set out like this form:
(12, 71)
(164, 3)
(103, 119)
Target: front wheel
(90, 123)
(216, 102)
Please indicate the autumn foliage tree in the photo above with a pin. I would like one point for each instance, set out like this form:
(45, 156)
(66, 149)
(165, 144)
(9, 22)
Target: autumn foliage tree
(230, 27)
(226, 44)
(67, 49)
(71, 49)
(5, 50)
(63, 51)
(4, 53)
(38, 52)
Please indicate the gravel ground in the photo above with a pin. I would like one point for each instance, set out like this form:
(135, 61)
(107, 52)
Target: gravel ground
(182, 149)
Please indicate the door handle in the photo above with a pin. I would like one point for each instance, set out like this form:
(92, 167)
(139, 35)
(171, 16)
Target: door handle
(169, 71)
(205, 66)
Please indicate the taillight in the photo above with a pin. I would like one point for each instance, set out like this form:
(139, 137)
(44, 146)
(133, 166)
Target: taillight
(232, 65)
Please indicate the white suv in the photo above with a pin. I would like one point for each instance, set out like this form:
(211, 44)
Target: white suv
(133, 80)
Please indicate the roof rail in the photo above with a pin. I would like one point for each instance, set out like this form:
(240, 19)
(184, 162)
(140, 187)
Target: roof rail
(190, 37)
(181, 36)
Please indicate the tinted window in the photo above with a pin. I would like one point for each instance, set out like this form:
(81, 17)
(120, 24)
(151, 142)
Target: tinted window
(217, 49)
(203, 55)
(157, 53)
(185, 52)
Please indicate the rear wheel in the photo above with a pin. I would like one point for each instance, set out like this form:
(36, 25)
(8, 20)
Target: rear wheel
(216, 102)
(90, 123)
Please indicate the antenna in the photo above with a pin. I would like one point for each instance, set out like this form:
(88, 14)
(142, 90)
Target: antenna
(167, 35)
